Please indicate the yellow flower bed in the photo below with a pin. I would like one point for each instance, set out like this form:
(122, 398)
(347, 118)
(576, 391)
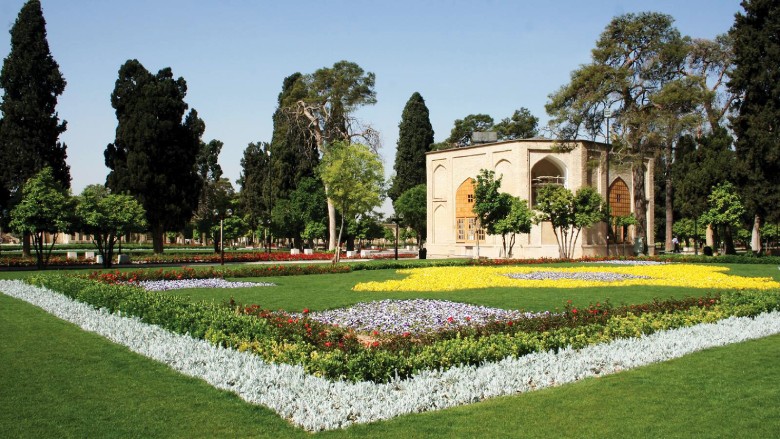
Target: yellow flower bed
(461, 278)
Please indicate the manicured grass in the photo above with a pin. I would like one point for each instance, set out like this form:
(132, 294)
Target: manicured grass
(326, 291)
(58, 381)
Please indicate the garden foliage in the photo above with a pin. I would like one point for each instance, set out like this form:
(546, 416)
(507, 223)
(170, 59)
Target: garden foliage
(338, 352)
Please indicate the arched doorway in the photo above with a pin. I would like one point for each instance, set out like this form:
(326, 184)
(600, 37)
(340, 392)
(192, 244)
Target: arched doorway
(546, 172)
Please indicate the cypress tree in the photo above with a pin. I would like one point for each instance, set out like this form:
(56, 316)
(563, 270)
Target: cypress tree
(154, 156)
(415, 136)
(31, 81)
(756, 78)
(254, 182)
(294, 154)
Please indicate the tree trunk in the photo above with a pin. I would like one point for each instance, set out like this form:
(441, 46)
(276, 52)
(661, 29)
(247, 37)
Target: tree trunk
(158, 236)
(755, 238)
(668, 202)
(728, 241)
(709, 237)
(332, 238)
(26, 238)
(640, 204)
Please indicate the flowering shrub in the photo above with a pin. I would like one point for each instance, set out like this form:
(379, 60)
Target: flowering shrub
(184, 258)
(458, 278)
(166, 285)
(318, 404)
(339, 352)
(415, 317)
(112, 277)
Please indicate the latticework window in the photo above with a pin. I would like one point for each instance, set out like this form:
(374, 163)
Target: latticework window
(619, 198)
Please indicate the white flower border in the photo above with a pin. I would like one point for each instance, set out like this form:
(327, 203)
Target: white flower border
(319, 404)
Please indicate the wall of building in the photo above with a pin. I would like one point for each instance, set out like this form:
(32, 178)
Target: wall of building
(518, 163)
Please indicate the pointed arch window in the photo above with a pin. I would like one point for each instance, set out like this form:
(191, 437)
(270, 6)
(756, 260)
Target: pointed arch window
(465, 218)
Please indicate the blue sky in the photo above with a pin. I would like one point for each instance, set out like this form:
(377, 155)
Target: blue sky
(463, 57)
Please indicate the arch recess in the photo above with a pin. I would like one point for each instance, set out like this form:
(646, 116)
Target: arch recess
(547, 171)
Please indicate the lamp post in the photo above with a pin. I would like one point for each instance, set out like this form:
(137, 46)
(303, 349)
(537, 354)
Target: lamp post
(397, 220)
(268, 198)
(607, 115)
(3, 214)
(221, 233)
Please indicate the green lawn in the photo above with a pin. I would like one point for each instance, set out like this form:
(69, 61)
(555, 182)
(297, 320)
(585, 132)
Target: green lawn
(325, 291)
(59, 381)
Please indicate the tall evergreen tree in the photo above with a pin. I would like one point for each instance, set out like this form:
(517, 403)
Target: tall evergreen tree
(756, 78)
(154, 156)
(294, 154)
(415, 136)
(255, 183)
(30, 128)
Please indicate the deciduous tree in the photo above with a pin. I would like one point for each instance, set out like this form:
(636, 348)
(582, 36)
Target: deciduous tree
(489, 206)
(569, 213)
(354, 177)
(635, 56)
(107, 217)
(725, 212)
(46, 207)
(411, 206)
(518, 220)
(522, 125)
(332, 94)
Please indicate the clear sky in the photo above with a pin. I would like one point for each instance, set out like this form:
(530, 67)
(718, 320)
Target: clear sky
(463, 57)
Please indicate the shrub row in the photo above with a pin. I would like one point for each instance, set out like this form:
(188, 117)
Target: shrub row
(191, 257)
(338, 353)
(243, 271)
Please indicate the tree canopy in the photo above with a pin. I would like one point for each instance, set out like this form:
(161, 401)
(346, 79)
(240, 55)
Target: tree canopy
(569, 213)
(107, 217)
(489, 206)
(30, 127)
(154, 155)
(323, 102)
(756, 78)
(354, 177)
(634, 58)
(518, 220)
(411, 206)
(522, 125)
(46, 207)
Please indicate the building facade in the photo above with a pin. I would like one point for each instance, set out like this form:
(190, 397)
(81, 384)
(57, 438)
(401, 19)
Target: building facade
(525, 166)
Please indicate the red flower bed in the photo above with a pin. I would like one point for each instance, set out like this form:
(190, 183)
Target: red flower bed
(113, 277)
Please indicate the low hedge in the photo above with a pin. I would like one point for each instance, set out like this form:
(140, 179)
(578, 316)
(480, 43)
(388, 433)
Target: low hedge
(337, 353)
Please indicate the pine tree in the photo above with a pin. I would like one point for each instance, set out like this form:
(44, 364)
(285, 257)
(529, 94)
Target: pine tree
(415, 136)
(154, 156)
(30, 128)
(757, 127)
